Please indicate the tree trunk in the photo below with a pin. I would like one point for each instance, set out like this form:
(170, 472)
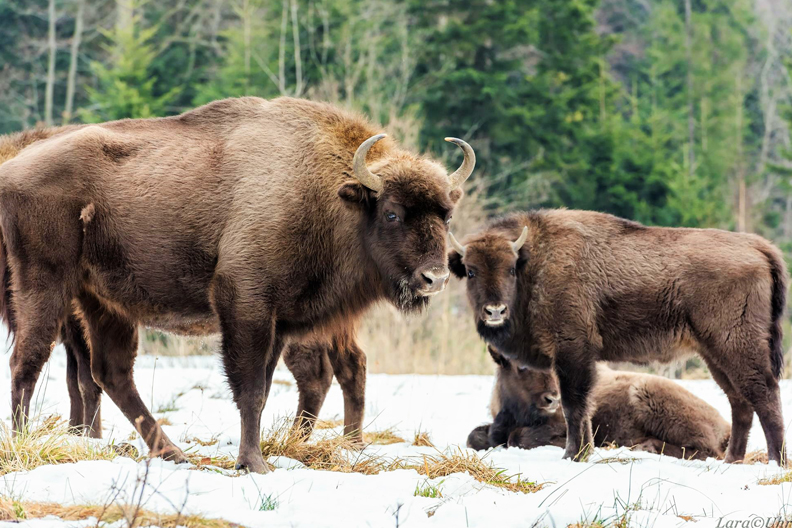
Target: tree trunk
(691, 110)
(50, 91)
(75, 51)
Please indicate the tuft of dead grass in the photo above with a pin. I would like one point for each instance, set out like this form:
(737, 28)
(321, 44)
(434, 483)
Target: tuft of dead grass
(386, 437)
(444, 464)
(328, 424)
(422, 439)
(49, 442)
(335, 453)
(133, 517)
(756, 457)
(777, 479)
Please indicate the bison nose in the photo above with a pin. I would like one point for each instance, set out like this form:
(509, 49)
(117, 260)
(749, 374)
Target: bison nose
(434, 280)
(495, 312)
(494, 315)
(550, 401)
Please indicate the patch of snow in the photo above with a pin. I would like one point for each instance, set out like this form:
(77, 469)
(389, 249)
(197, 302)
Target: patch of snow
(192, 394)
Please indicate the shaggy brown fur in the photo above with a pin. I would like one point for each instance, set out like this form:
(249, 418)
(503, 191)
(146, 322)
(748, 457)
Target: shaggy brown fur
(588, 286)
(241, 216)
(646, 412)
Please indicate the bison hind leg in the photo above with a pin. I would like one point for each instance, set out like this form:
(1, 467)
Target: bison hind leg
(310, 366)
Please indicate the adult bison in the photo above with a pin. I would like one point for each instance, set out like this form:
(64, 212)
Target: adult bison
(641, 411)
(257, 219)
(563, 289)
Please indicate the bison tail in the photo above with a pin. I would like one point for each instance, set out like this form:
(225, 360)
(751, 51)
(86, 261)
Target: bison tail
(778, 273)
(6, 312)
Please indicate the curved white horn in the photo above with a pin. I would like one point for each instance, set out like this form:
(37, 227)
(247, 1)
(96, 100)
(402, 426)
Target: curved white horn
(454, 242)
(468, 164)
(517, 244)
(359, 168)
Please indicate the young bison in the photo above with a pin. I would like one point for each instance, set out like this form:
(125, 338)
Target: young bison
(649, 413)
(564, 289)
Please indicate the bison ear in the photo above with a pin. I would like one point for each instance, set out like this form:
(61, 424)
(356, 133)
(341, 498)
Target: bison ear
(498, 358)
(354, 192)
(455, 264)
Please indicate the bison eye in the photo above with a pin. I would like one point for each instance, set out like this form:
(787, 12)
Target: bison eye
(448, 220)
(471, 273)
(392, 217)
(512, 272)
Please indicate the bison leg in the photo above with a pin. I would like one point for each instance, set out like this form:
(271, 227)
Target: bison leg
(73, 384)
(310, 366)
(250, 352)
(113, 347)
(478, 438)
(89, 394)
(576, 375)
(553, 434)
(741, 411)
(38, 324)
(502, 427)
(349, 366)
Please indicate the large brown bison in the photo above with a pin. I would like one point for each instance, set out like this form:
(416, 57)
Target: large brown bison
(261, 220)
(645, 412)
(563, 289)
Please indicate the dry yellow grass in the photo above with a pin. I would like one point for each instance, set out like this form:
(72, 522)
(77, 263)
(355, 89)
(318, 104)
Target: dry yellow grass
(422, 439)
(756, 457)
(335, 453)
(132, 516)
(328, 424)
(49, 442)
(386, 437)
(444, 464)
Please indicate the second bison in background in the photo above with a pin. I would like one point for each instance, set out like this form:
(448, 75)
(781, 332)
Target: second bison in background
(649, 413)
(564, 289)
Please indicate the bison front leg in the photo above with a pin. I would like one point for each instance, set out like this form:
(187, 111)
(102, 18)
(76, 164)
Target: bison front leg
(349, 366)
(73, 384)
(250, 353)
(576, 375)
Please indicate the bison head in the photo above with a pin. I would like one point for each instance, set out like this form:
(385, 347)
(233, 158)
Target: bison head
(533, 394)
(407, 204)
(490, 263)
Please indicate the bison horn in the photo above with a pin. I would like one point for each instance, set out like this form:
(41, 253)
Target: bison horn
(454, 242)
(468, 164)
(517, 244)
(359, 168)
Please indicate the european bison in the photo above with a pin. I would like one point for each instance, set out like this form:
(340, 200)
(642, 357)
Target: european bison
(564, 289)
(261, 220)
(649, 413)
(313, 360)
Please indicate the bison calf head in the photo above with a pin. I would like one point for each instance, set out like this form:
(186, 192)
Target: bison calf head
(407, 204)
(532, 394)
(489, 263)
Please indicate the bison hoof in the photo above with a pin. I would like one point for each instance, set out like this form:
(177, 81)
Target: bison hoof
(172, 454)
(252, 466)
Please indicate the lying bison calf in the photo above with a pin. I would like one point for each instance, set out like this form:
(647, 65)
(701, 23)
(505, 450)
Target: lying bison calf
(563, 289)
(629, 409)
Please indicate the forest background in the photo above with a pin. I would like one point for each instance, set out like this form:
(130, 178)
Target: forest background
(668, 112)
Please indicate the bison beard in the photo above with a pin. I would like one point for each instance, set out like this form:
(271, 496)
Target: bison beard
(259, 219)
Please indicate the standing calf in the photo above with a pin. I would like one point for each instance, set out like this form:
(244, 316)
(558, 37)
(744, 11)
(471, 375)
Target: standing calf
(564, 289)
(649, 413)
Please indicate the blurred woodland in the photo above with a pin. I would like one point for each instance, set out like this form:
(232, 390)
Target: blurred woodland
(668, 112)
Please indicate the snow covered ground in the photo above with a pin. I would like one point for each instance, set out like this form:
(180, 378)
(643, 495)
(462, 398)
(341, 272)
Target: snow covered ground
(657, 489)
